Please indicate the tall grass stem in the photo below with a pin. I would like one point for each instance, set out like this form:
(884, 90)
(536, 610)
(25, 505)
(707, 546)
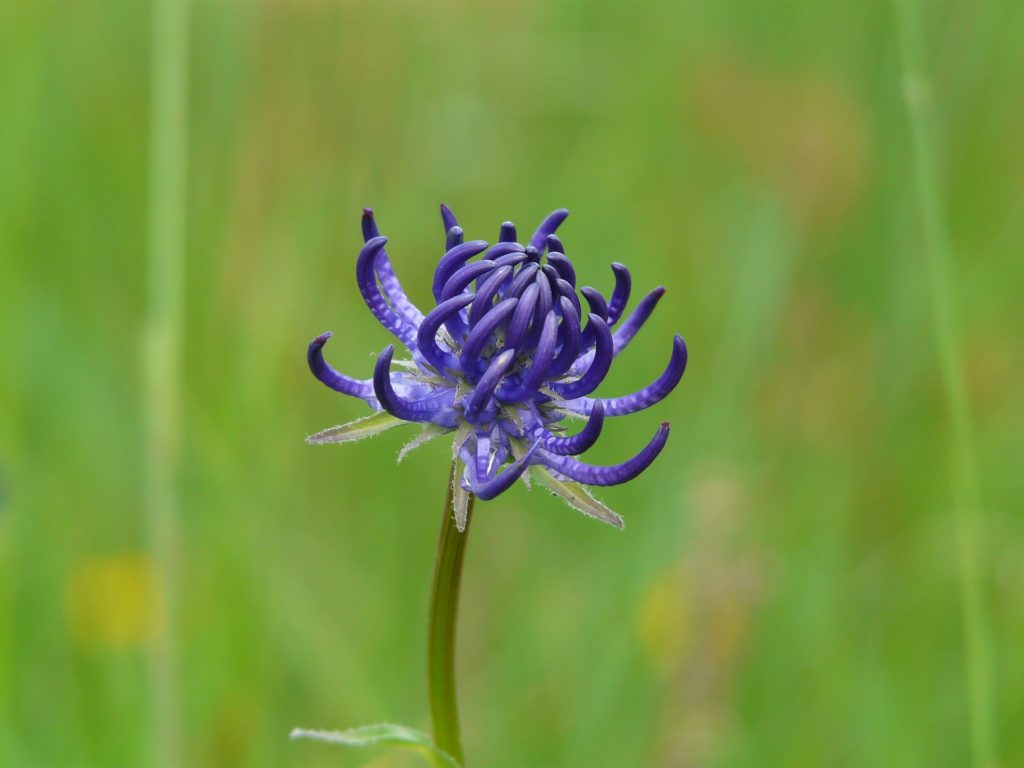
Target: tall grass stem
(942, 284)
(162, 334)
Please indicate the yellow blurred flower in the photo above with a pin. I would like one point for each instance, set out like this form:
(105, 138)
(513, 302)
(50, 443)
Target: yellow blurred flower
(115, 602)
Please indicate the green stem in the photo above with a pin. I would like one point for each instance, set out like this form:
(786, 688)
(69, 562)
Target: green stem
(444, 606)
(965, 485)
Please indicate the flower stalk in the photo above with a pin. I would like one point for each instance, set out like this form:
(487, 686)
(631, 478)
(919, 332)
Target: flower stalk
(444, 607)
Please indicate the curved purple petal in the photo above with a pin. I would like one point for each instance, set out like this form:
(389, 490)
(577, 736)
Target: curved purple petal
(592, 474)
(521, 318)
(504, 479)
(503, 249)
(508, 233)
(480, 335)
(464, 276)
(454, 237)
(578, 443)
(523, 278)
(637, 318)
(571, 339)
(484, 390)
(566, 290)
(535, 375)
(630, 327)
(595, 301)
(646, 397)
(453, 259)
(429, 409)
(548, 227)
(485, 294)
(545, 303)
(391, 287)
(562, 265)
(599, 307)
(620, 293)
(367, 281)
(598, 369)
(448, 218)
(339, 382)
(426, 336)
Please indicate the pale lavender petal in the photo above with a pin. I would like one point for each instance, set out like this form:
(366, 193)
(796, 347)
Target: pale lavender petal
(482, 465)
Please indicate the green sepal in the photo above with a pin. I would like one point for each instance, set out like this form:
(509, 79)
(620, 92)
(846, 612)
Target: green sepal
(576, 496)
(360, 429)
(387, 734)
(428, 433)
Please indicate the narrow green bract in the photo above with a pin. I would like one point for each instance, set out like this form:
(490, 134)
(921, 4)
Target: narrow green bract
(381, 734)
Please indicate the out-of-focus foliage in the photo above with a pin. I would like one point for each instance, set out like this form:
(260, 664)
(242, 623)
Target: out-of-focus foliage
(785, 591)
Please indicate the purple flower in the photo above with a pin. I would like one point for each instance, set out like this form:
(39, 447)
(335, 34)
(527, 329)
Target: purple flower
(503, 360)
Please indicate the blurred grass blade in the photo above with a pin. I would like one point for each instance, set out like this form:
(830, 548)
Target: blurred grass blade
(577, 496)
(161, 353)
(381, 734)
(368, 426)
(942, 283)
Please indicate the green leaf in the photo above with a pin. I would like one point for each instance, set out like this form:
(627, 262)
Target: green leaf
(426, 434)
(577, 496)
(368, 426)
(381, 734)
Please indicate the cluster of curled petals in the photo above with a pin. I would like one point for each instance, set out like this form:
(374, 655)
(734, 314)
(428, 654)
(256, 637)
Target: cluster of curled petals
(511, 352)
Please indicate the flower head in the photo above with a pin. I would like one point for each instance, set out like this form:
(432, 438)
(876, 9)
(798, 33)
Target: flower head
(504, 359)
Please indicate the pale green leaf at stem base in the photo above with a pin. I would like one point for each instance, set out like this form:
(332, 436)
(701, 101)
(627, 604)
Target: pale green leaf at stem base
(577, 496)
(381, 734)
(360, 429)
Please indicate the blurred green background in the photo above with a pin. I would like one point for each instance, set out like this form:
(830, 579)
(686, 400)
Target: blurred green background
(786, 591)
